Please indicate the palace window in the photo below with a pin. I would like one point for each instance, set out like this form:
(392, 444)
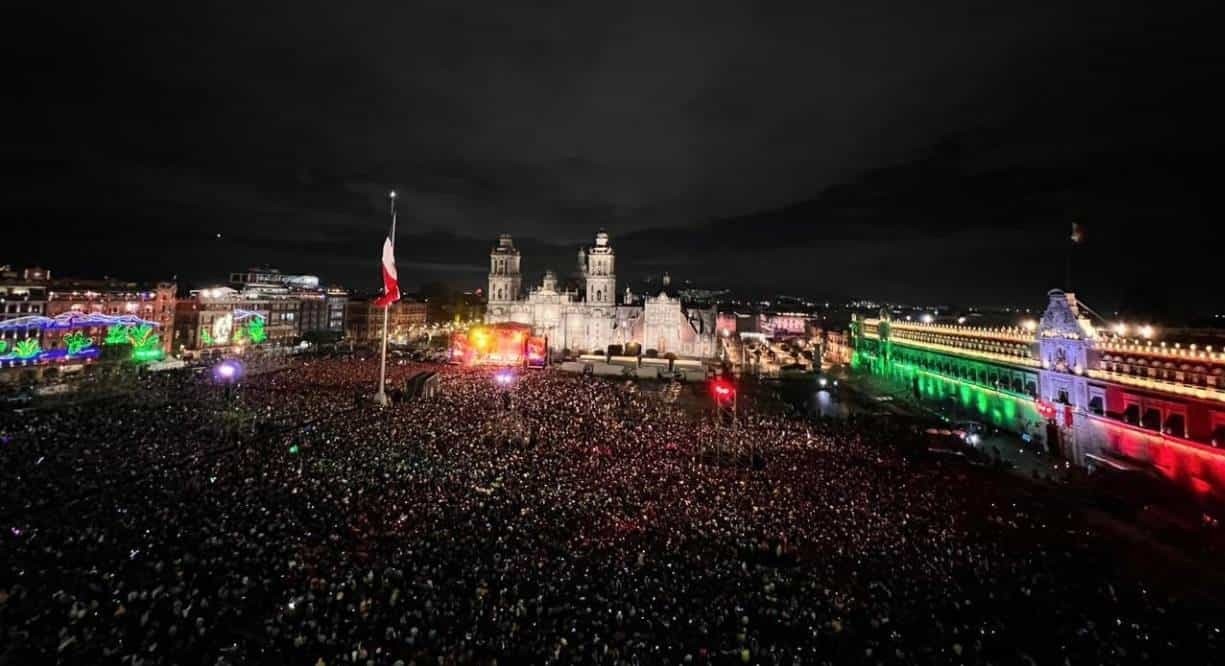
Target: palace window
(1096, 406)
(1176, 424)
(1131, 414)
(1151, 419)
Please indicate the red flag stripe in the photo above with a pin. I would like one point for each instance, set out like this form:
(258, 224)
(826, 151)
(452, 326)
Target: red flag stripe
(391, 284)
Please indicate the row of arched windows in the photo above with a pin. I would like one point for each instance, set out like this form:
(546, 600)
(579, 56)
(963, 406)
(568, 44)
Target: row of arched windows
(983, 375)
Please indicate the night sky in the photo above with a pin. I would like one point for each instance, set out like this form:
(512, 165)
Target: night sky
(934, 151)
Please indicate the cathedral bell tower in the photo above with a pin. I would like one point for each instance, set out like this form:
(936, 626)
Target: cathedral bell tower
(601, 273)
(504, 278)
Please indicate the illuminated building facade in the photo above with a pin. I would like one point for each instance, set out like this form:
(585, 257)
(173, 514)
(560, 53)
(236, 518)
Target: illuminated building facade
(154, 303)
(586, 316)
(364, 321)
(220, 320)
(322, 310)
(784, 324)
(55, 321)
(1083, 390)
(22, 293)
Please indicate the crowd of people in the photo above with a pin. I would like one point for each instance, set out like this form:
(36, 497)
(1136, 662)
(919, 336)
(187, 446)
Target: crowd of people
(582, 520)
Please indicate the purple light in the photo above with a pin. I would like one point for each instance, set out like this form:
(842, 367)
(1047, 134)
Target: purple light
(504, 377)
(227, 371)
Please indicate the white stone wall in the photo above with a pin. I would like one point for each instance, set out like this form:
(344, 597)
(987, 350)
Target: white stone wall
(596, 321)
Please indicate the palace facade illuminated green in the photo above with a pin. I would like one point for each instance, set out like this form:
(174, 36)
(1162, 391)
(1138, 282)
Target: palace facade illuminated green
(986, 375)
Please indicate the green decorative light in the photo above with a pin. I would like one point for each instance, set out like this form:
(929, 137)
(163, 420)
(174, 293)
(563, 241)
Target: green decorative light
(4, 346)
(116, 335)
(77, 342)
(146, 345)
(969, 386)
(26, 349)
(206, 337)
(143, 355)
(293, 450)
(255, 330)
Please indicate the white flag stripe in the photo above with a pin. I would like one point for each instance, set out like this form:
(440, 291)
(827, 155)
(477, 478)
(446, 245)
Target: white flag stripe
(389, 259)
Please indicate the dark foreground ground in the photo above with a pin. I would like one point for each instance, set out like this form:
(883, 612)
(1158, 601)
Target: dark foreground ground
(287, 524)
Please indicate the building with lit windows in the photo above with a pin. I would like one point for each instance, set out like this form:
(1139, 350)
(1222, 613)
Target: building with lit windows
(34, 291)
(1085, 390)
(149, 302)
(364, 321)
(220, 320)
(586, 316)
(22, 293)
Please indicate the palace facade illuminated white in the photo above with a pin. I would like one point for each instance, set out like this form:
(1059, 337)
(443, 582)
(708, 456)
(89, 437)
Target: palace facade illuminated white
(586, 316)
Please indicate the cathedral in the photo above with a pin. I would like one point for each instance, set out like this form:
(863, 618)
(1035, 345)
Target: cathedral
(585, 316)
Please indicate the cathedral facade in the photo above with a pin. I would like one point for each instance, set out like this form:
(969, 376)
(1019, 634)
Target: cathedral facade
(585, 316)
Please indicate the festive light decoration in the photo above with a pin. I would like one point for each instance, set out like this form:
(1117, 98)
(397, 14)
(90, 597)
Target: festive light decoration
(240, 314)
(116, 335)
(142, 355)
(123, 329)
(70, 320)
(4, 346)
(26, 349)
(206, 337)
(142, 337)
(76, 342)
(255, 330)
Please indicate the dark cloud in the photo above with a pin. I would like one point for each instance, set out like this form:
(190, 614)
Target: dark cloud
(143, 129)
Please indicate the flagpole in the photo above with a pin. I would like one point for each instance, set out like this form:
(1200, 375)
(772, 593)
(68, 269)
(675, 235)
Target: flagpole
(381, 396)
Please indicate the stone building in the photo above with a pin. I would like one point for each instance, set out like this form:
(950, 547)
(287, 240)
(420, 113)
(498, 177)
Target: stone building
(585, 316)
